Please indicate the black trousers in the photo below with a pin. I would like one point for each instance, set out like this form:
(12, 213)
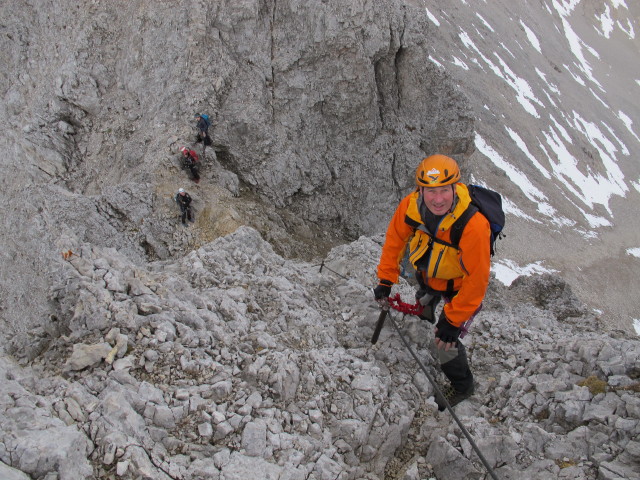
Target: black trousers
(455, 366)
(186, 213)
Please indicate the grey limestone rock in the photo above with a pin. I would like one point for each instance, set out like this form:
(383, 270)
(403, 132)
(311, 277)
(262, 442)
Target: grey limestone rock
(84, 356)
(239, 347)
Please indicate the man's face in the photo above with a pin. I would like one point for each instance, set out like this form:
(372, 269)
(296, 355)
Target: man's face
(438, 200)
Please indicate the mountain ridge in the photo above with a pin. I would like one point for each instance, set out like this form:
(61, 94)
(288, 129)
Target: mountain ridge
(135, 347)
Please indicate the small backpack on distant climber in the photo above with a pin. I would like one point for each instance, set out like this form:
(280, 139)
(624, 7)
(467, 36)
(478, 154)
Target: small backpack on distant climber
(489, 204)
(205, 117)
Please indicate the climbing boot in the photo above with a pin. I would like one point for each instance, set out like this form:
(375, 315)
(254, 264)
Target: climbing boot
(452, 396)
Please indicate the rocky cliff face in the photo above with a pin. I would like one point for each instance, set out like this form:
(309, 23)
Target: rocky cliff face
(134, 347)
(319, 111)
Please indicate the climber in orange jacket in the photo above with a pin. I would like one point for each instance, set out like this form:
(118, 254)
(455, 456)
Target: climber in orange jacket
(423, 220)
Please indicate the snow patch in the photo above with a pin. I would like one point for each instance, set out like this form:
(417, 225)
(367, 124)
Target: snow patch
(551, 86)
(628, 30)
(628, 123)
(436, 62)
(486, 24)
(456, 61)
(532, 37)
(606, 22)
(523, 146)
(431, 17)
(515, 175)
(589, 187)
(634, 251)
(507, 271)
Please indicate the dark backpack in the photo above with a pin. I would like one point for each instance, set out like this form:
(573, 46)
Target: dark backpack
(205, 117)
(489, 204)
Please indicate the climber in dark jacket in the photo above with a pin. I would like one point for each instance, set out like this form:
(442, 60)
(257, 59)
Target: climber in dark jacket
(202, 125)
(183, 199)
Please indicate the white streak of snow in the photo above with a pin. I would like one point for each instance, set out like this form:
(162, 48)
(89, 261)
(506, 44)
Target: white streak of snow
(524, 93)
(628, 123)
(575, 43)
(532, 37)
(486, 24)
(511, 209)
(460, 63)
(551, 86)
(516, 176)
(435, 61)
(507, 271)
(522, 146)
(607, 151)
(590, 188)
(634, 251)
(563, 131)
(507, 49)
(606, 22)
(433, 19)
(629, 30)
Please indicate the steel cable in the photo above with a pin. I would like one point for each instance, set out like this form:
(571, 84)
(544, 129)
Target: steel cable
(441, 395)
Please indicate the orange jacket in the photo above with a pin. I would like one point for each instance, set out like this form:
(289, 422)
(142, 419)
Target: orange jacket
(467, 267)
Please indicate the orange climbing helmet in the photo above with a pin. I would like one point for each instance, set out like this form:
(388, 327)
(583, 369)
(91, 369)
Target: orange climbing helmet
(436, 171)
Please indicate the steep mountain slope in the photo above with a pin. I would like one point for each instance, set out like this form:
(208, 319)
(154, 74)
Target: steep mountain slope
(307, 102)
(304, 102)
(553, 89)
(236, 363)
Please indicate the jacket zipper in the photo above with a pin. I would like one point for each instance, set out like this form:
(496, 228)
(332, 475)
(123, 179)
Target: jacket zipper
(415, 250)
(442, 250)
(435, 267)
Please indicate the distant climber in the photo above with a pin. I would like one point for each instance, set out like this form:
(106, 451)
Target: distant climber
(183, 199)
(190, 162)
(202, 126)
(459, 276)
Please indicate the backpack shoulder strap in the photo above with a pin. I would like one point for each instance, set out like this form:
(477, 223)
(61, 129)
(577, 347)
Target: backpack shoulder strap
(433, 238)
(456, 229)
(458, 226)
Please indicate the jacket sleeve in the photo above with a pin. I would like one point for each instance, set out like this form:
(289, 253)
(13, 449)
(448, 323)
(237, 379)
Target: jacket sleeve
(475, 259)
(395, 243)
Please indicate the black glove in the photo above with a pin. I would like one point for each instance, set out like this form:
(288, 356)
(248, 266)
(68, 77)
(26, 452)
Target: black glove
(383, 290)
(445, 331)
